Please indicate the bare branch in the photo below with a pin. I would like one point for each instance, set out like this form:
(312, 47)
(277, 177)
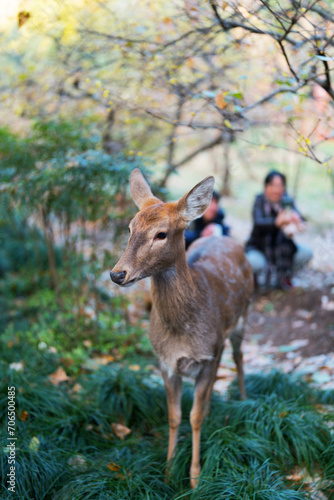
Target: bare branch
(287, 60)
(186, 159)
(273, 94)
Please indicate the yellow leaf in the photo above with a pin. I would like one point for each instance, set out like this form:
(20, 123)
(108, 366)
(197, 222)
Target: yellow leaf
(135, 368)
(34, 444)
(227, 124)
(114, 467)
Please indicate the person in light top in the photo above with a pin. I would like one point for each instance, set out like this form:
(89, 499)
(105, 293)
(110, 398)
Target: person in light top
(276, 219)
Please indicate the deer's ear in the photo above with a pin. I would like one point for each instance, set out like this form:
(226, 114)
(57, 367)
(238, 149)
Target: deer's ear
(140, 191)
(194, 203)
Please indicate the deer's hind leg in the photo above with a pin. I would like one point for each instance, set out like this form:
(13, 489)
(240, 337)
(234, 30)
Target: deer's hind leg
(236, 338)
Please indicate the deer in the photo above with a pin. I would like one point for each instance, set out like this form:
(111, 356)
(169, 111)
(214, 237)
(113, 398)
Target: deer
(199, 298)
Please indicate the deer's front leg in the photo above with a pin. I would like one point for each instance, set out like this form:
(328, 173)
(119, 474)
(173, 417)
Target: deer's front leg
(203, 389)
(173, 385)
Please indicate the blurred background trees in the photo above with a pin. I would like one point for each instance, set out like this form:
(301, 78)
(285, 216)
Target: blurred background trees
(172, 80)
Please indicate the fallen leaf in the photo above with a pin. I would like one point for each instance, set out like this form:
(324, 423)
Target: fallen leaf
(120, 476)
(95, 363)
(58, 376)
(77, 388)
(114, 467)
(120, 430)
(78, 462)
(34, 444)
(134, 368)
(294, 477)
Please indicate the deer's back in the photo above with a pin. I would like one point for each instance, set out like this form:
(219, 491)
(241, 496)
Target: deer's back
(223, 276)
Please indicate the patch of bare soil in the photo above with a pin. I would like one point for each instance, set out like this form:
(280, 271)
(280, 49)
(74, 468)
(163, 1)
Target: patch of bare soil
(298, 315)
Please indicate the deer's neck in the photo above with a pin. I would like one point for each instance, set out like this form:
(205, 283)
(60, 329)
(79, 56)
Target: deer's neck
(173, 294)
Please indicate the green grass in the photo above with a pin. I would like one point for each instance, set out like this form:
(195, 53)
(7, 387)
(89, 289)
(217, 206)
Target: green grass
(248, 447)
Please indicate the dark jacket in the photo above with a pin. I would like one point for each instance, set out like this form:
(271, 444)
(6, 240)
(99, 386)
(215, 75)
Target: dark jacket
(198, 225)
(269, 239)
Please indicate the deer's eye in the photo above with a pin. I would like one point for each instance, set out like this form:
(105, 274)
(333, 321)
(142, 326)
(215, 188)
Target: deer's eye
(161, 236)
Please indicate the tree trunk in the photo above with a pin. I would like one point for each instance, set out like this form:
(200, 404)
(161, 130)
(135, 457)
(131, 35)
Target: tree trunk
(226, 187)
(49, 240)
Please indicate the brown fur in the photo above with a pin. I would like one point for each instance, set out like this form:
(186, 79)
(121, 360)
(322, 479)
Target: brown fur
(198, 298)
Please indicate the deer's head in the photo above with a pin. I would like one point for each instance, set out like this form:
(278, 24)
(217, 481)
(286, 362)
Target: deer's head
(156, 232)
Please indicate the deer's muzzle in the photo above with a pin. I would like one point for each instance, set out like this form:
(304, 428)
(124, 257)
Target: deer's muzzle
(118, 277)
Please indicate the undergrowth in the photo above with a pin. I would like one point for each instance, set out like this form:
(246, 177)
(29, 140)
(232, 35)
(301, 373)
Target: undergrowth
(66, 448)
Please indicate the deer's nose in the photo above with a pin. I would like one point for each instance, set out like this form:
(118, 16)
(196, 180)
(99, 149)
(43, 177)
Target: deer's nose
(118, 277)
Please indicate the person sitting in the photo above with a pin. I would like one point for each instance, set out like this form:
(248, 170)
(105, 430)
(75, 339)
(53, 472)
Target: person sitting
(210, 224)
(270, 248)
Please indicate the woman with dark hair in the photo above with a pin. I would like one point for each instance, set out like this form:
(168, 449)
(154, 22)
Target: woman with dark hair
(270, 248)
